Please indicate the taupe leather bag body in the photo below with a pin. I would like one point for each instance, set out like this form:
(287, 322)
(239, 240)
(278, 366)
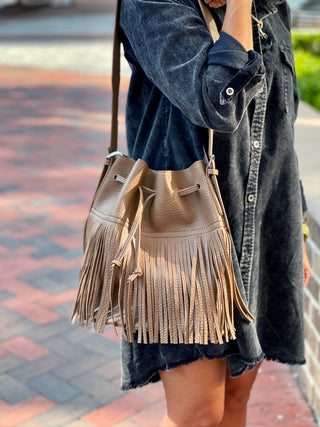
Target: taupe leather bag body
(157, 249)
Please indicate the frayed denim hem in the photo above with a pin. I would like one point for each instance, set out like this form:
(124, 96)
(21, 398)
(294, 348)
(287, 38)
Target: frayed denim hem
(238, 365)
(155, 377)
(285, 361)
(246, 365)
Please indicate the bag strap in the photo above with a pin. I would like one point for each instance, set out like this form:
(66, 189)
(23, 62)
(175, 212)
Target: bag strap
(212, 28)
(115, 83)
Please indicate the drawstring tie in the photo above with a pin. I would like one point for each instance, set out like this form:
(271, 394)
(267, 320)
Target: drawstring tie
(136, 229)
(136, 226)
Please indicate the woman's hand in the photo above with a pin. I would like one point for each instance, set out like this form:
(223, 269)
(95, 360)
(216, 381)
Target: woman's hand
(216, 3)
(306, 265)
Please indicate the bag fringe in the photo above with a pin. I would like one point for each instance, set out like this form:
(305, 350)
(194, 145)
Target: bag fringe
(176, 308)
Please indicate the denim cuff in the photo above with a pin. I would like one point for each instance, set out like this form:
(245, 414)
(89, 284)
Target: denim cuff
(228, 51)
(247, 66)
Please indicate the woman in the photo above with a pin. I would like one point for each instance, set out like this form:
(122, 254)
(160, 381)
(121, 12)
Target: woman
(243, 87)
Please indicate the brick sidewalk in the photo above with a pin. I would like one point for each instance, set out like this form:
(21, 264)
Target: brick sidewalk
(54, 133)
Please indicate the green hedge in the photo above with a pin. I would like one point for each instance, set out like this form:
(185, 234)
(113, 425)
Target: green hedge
(307, 59)
(308, 77)
(306, 41)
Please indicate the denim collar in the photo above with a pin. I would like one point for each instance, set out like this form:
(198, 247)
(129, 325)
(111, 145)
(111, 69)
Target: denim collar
(266, 8)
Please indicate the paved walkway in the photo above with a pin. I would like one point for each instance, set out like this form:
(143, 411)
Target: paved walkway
(53, 136)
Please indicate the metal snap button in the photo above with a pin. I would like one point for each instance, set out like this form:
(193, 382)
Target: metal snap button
(256, 144)
(230, 91)
(251, 198)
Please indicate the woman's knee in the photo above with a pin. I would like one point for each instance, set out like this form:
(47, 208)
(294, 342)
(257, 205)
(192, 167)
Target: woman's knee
(236, 398)
(203, 414)
(207, 415)
(195, 393)
(238, 390)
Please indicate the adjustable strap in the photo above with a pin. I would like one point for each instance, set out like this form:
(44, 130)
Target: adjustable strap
(115, 82)
(210, 22)
(212, 28)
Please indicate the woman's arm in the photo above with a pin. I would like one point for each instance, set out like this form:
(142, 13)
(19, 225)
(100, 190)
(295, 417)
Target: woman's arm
(238, 23)
(212, 84)
(306, 266)
(237, 20)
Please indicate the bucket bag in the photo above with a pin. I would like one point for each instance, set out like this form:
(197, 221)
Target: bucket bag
(157, 248)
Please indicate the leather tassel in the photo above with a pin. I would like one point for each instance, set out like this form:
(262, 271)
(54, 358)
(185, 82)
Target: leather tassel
(175, 308)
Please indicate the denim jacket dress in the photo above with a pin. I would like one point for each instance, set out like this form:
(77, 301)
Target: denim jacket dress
(181, 85)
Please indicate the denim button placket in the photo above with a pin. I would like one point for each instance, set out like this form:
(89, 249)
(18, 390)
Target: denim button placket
(256, 144)
(251, 191)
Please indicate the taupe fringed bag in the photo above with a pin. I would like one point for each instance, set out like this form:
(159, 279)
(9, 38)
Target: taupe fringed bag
(157, 250)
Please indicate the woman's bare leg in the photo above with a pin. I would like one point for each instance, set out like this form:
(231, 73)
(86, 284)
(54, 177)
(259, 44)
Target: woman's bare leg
(237, 393)
(195, 394)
